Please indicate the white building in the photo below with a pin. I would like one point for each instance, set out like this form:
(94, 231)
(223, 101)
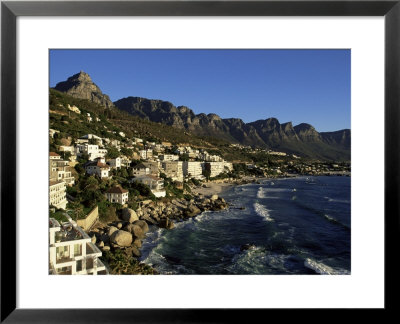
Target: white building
(93, 151)
(173, 170)
(168, 157)
(85, 139)
(57, 194)
(146, 154)
(215, 168)
(140, 169)
(60, 171)
(117, 195)
(156, 184)
(64, 148)
(193, 169)
(71, 250)
(115, 163)
(154, 167)
(54, 156)
(98, 168)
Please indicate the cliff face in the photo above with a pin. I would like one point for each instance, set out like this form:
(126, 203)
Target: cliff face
(302, 139)
(81, 86)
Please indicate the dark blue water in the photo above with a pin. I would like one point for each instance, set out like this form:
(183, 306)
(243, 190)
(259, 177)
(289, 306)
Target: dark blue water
(295, 226)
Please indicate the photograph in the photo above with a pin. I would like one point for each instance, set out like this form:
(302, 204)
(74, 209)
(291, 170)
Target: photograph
(199, 162)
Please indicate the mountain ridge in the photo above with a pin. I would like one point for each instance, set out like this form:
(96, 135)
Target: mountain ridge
(302, 139)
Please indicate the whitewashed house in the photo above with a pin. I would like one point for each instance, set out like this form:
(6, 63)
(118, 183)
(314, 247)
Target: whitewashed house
(115, 163)
(117, 195)
(140, 169)
(99, 169)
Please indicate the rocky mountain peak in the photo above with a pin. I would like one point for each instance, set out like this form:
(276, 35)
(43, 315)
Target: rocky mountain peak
(81, 86)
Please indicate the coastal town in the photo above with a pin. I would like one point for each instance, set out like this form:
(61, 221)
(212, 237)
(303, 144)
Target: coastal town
(106, 189)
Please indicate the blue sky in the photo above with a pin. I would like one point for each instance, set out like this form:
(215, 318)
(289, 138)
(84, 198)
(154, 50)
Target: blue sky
(311, 86)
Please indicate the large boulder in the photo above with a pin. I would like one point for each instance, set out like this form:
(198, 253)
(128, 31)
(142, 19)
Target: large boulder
(135, 251)
(148, 220)
(143, 225)
(166, 223)
(121, 238)
(214, 197)
(135, 230)
(111, 230)
(138, 243)
(129, 215)
(192, 210)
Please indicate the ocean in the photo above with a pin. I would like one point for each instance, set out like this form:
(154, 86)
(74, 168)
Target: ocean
(281, 226)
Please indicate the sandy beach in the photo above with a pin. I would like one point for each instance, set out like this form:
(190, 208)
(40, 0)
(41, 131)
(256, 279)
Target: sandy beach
(212, 188)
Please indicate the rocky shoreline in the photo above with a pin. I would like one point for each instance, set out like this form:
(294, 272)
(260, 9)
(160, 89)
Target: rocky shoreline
(129, 231)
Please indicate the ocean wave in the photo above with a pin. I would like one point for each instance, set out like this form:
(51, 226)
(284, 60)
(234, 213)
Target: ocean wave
(262, 211)
(259, 261)
(335, 221)
(323, 269)
(260, 193)
(343, 201)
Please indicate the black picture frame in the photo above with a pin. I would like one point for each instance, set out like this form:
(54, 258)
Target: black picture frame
(10, 10)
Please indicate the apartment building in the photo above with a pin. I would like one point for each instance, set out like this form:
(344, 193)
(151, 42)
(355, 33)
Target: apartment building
(71, 250)
(58, 194)
(193, 169)
(173, 170)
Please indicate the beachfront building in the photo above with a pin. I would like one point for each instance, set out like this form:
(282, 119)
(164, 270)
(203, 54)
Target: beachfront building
(71, 250)
(215, 168)
(173, 170)
(156, 184)
(98, 168)
(193, 169)
(117, 194)
(58, 194)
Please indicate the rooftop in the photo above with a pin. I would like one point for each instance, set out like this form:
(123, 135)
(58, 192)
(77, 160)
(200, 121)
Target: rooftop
(117, 189)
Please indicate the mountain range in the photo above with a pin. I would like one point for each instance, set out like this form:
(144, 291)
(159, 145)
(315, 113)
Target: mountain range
(302, 139)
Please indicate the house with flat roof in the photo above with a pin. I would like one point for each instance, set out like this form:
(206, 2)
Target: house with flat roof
(71, 250)
(155, 184)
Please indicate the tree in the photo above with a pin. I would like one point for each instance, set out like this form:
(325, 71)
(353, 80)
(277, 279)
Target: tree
(126, 151)
(184, 157)
(112, 153)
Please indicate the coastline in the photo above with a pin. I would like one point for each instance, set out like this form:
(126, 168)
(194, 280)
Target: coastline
(213, 188)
